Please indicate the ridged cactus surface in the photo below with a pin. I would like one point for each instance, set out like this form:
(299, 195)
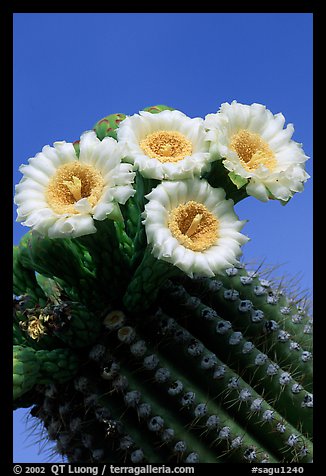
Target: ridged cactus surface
(129, 352)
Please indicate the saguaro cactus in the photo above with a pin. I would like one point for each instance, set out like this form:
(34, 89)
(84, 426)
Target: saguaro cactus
(139, 336)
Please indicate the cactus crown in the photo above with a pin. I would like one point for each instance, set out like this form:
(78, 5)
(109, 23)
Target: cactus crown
(131, 343)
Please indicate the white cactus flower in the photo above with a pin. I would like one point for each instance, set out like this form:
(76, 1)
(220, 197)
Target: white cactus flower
(257, 150)
(60, 195)
(190, 225)
(168, 145)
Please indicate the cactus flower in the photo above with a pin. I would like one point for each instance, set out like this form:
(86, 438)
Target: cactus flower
(258, 152)
(167, 145)
(60, 194)
(191, 225)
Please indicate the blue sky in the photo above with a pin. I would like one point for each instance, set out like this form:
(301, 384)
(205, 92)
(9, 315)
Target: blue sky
(70, 70)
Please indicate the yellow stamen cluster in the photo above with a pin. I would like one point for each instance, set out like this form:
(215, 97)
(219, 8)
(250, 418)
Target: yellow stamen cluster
(72, 182)
(34, 327)
(252, 150)
(194, 226)
(166, 146)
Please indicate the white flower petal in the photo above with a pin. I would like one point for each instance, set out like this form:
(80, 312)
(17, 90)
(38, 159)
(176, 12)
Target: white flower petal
(88, 147)
(123, 192)
(201, 265)
(108, 155)
(29, 184)
(102, 210)
(29, 205)
(83, 206)
(219, 261)
(43, 163)
(28, 193)
(121, 174)
(161, 195)
(170, 243)
(278, 190)
(214, 199)
(40, 221)
(273, 126)
(178, 257)
(282, 138)
(74, 226)
(37, 175)
(66, 151)
(52, 155)
(258, 117)
(258, 190)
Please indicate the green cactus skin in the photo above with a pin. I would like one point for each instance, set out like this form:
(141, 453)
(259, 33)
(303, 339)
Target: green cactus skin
(196, 371)
(25, 370)
(197, 375)
(24, 279)
(219, 176)
(125, 360)
(146, 281)
(111, 259)
(158, 108)
(41, 254)
(219, 413)
(240, 302)
(131, 212)
(169, 375)
(32, 367)
(107, 126)
(77, 147)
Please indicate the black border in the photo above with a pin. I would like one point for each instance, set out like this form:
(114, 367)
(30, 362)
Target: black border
(231, 6)
(72, 6)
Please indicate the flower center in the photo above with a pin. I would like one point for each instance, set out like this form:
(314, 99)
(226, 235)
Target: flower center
(72, 182)
(166, 146)
(194, 226)
(252, 150)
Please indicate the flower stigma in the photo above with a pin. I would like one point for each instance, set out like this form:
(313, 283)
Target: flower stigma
(194, 226)
(166, 146)
(74, 186)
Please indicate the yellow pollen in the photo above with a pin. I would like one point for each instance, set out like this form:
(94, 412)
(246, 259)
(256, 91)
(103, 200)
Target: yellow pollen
(166, 146)
(166, 150)
(72, 182)
(252, 150)
(33, 327)
(194, 226)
